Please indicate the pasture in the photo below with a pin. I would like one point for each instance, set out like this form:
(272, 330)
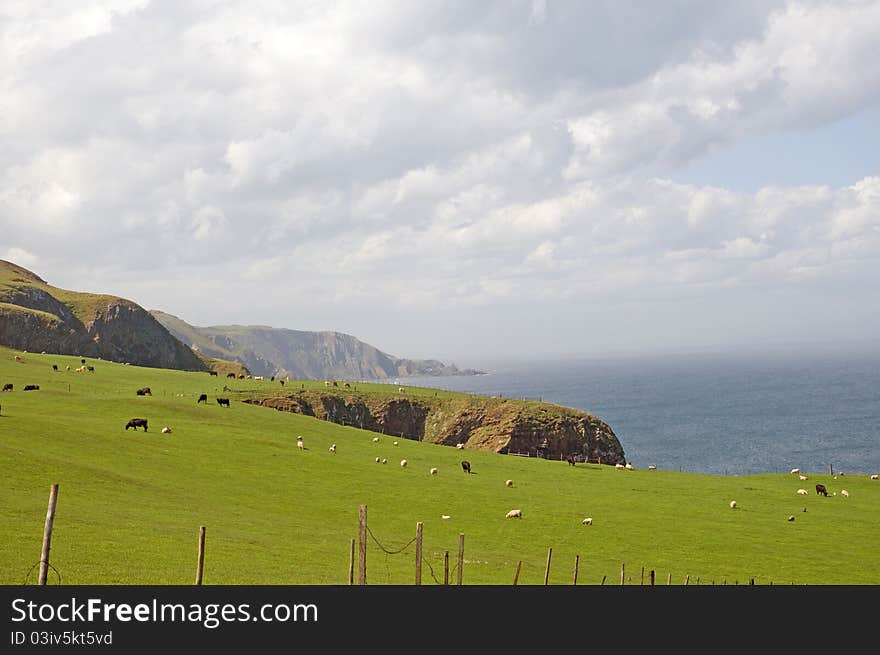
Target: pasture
(131, 502)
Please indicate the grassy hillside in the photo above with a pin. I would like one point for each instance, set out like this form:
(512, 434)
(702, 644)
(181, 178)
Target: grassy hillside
(130, 503)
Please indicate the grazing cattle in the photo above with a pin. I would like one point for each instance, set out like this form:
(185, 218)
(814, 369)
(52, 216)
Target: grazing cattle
(82, 361)
(466, 466)
(146, 391)
(820, 489)
(570, 460)
(241, 376)
(136, 423)
(230, 375)
(282, 382)
(202, 399)
(212, 373)
(335, 384)
(54, 367)
(166, 430)
(347, 385)
(19, 358)
(223, 401)
(32, 387)
(514, 514)
(7, 386)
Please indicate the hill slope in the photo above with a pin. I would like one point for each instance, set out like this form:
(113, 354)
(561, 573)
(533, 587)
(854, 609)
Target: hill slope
(36, 316)
(298, 354)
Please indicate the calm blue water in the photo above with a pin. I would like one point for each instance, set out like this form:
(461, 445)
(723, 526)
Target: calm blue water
(727, 415)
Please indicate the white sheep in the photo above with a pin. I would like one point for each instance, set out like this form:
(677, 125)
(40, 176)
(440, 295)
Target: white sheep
(375, 439)
(844, 492)
(460, 446)
(651, 467)
(628, 467)
(732, 504)
(403, 463)
(587, 521)
(333, 448)
(445, 517)
(875, 477)
(514, 514)
(509, 483)
(802, 477)
(400, 389)
(384, 460)
(433, 471)
(802, 492)
(795, 471)
(395, 443)
(378, 460)
(166, 430)
(619, 466)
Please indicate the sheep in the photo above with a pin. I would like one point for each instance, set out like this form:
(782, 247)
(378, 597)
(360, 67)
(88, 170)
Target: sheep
(460, 446)
(299, 443)
(795, 471)
(384, 460)
(875, 477)
(395, 443)
(651, 467)
(445, 517)
(166, 430)
(433, 471)
(791, 518)
(333, 448)
(628, 467)
(802, 492)
(514, 514)
(400, 390)
(509, 483)
(844, 492)
(403, 463)
(587, 521)
(619, 466)
(802, 477)
(732, 504)
(378, 460)
(375, 439)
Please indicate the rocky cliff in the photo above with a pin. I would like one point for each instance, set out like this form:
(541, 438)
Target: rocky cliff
(494, 424)
(38, 317)
(299, 354)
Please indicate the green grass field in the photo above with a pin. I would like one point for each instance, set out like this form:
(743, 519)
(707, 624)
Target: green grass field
(130, 503)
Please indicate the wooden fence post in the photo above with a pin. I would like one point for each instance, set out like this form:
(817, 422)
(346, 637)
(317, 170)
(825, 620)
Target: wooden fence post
(460, 557)
(642, 579)
(622, 578)
(651, 577)
(669, 579)
(419, 553)
(362, 545)
(47, 534)
(200, 567)
(576, 560)
(351, 564)
(687, 579)
(446, 567)
(547, 570)
(516, 575)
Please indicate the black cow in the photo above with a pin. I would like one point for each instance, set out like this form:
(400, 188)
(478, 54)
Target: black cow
(146, 391)
(54, 367)
(137, 423)
(223, 401)
(466, 466)
(820, 489)
(82, 361)
(230, 375)
(570, 459)
(282, 383)
(212, 373)
(7, 386)
(202, 399)
(32, 387)
(90, 369)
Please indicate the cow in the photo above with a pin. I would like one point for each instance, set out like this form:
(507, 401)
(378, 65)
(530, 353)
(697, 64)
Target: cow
(223, 401)
(466, 466)
(282, 382)
(146, 391)
(202, 399)
(7, 386)
(241, 376)
(54, 367)
(136, 423)
(90, 369)
(82, 361)
(230, 375)
(570, 459)
(32, 387)
(820, 489)
(212, 373)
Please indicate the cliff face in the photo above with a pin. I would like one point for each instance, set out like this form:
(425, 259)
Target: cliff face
(499, 425)
(299, 354)
(36, 316)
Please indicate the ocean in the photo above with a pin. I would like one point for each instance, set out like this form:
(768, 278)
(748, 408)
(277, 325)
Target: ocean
(729, 414)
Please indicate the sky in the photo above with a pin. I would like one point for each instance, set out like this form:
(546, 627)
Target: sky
(456, 180)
